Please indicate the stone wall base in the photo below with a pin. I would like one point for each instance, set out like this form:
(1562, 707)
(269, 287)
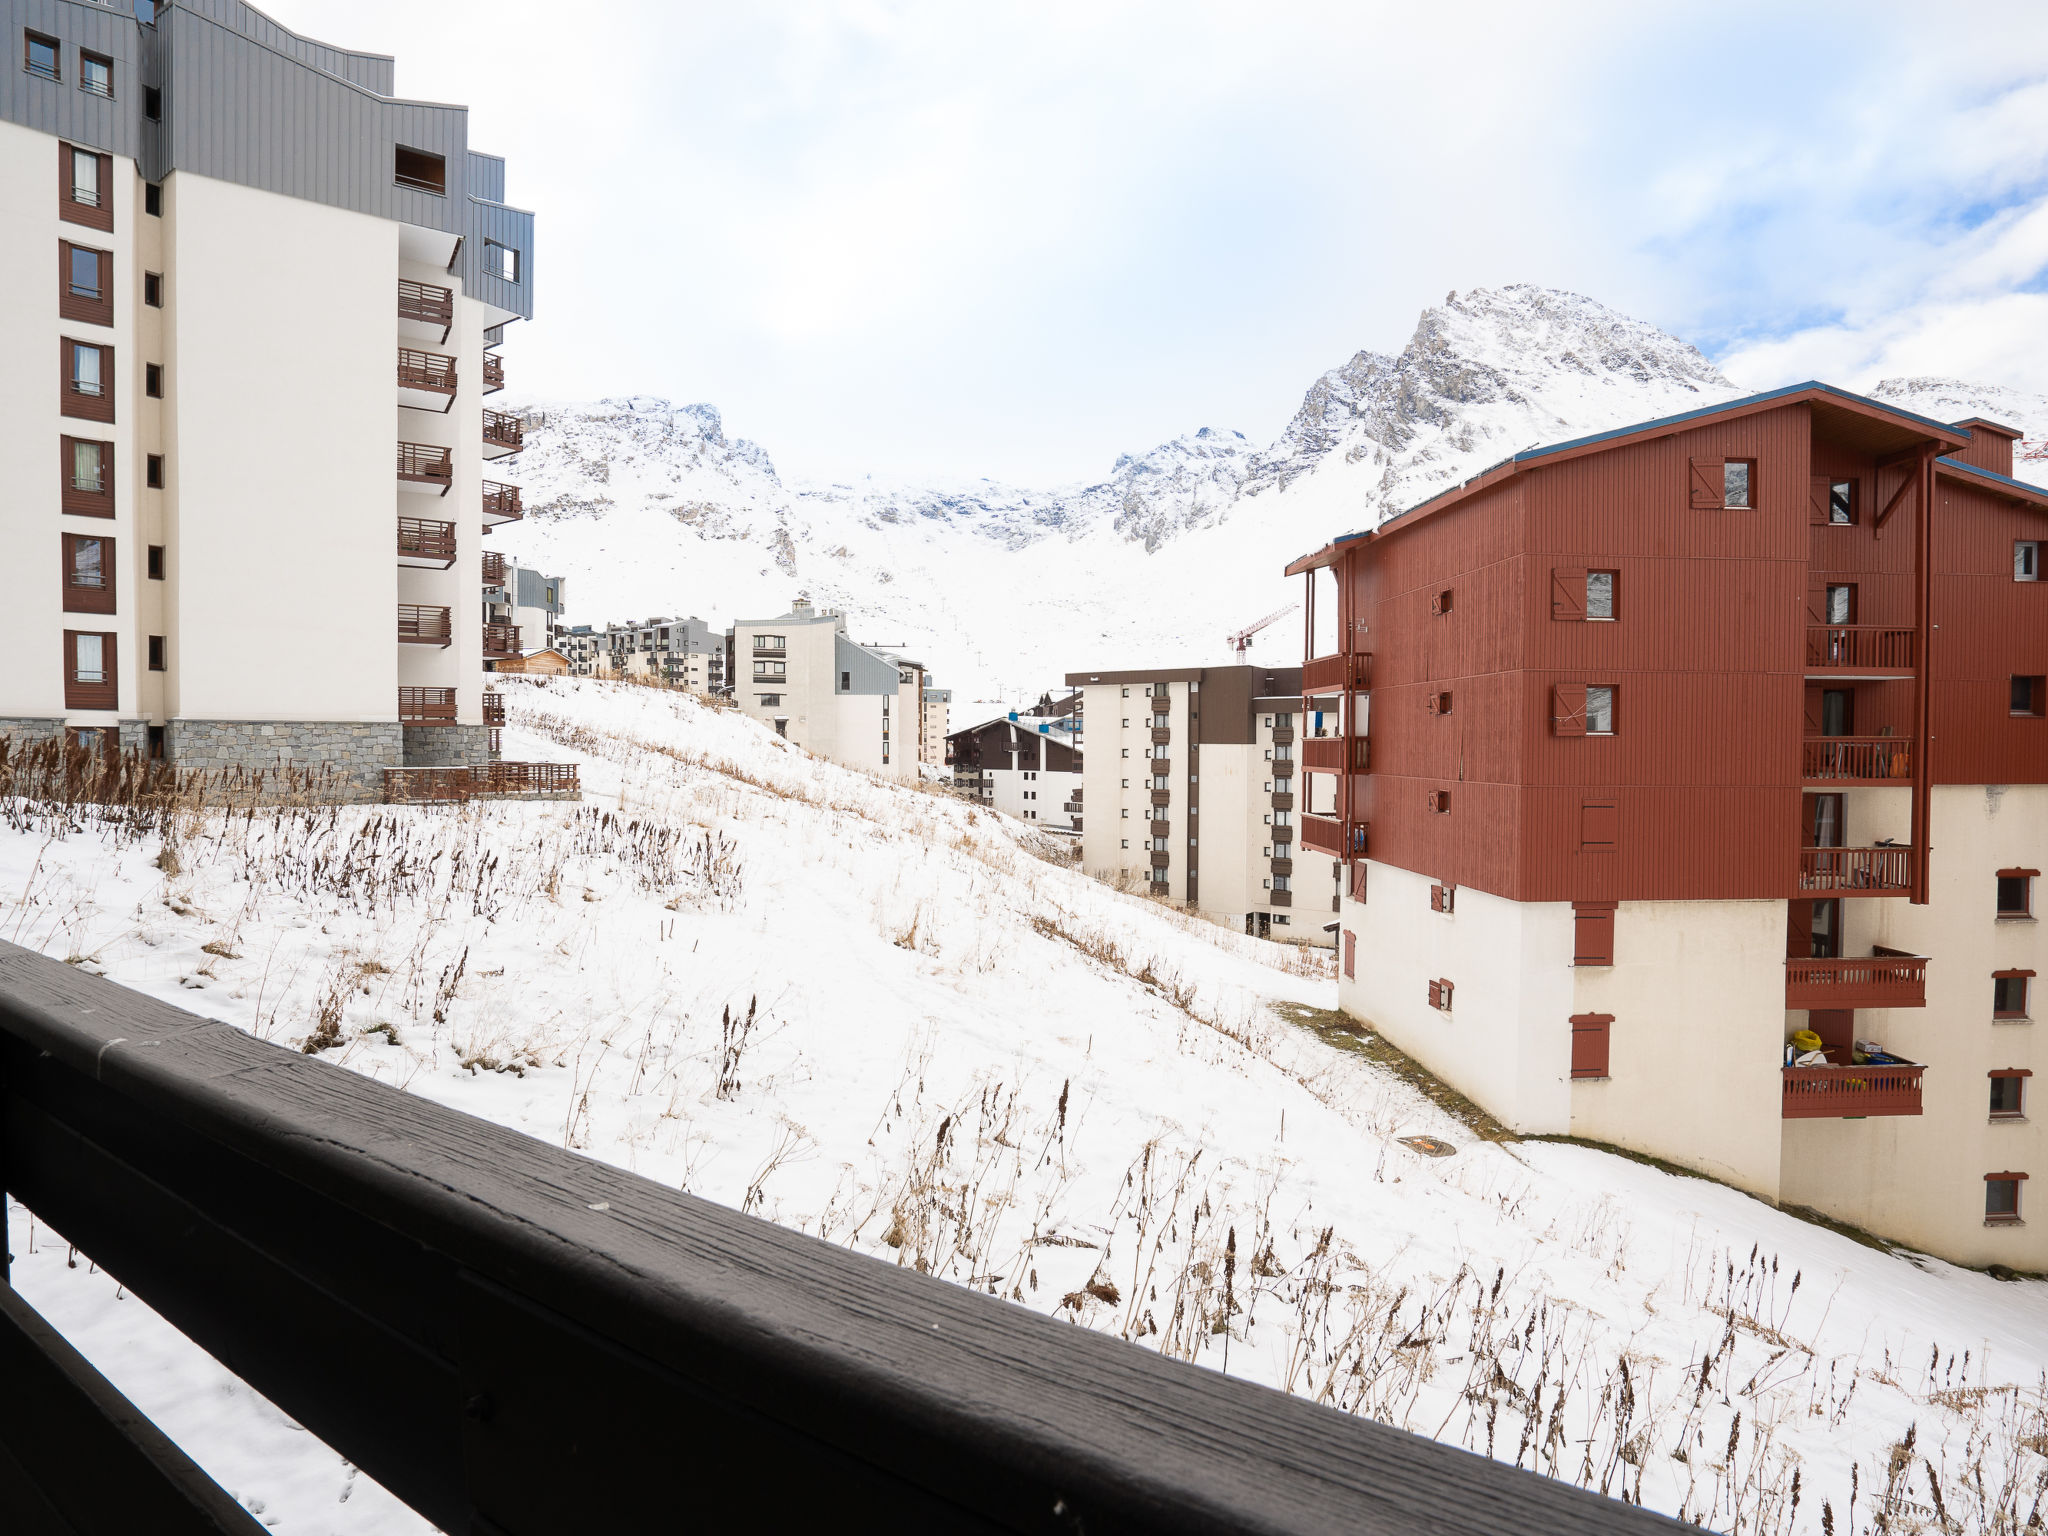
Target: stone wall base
(339, 761)
(446, 746)
(26, 730)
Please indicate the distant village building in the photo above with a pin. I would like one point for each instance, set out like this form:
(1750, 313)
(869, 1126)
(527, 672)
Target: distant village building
(543, 663)
(1190, 785)
(938, 708)
(802, 676)
(684, 653)
(1025, 764)
(527, 601)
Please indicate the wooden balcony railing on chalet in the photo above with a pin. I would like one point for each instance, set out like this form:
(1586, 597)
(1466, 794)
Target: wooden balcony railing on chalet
(426, 706)
(502, 503)
(430, 371)
(1856, 760)
(1857, 981)
(1856, 871)
(418, 625)
(1331, 754)
(425, 464)
(494, 708)
(1280, 898)
(1336, 674)
(494, 373)
(501, 640)
(504, 430)
(1858, 648)
(1839, 1093)
(423, 539)
(1322, 834)
(427, 304)
(494, 568)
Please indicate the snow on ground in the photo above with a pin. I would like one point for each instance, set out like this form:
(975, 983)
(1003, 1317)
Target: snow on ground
(891, 1019)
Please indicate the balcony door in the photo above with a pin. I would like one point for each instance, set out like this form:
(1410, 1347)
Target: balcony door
(1824, 817)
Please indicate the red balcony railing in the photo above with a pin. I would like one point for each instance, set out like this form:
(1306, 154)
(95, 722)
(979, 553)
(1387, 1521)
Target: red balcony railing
(1836, 1093)
(1337, 754)
(426, 304)
(504, 430)
(1856, 760)
(425, 464)
(502, 503)
(494, 708)
(423, 539)
(494, 373)
(424, 626)
(501, 640)
(1858, 648)
(426, 706)
(1323, 834)
(1337, 674)
(494, 568)
(1861, 981)
(1856, 871)
(426, 370)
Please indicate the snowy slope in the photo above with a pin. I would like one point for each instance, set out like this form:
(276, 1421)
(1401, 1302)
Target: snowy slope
(967, 1057)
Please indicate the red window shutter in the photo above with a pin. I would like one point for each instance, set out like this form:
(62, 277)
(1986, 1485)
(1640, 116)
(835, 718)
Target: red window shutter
(1568, 593)
(1358, 881)
(1709, 488)
(1817, 500)
(1599, 824)
(1592, 933)
(1568, 709)
(1589, 1044)
(1433, 1001)
(1442, 898)
(1429, 701)
(1350, 955)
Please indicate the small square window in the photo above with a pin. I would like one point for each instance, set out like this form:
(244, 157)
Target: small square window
(501, 261)
(1600, 701)
(2015, 893)
(2002, 1198)
(2026, 560)
(40, 56)
(2009, 995)
(153, 199)
(154, 472)
(153, 380)
(156, 653)
(2027, 694)
(153, 289)
(420, 170)
(2008, 1096)
(156, 562)
(96, 74)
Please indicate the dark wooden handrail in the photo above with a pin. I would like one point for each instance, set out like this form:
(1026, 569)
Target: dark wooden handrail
(501, 502)
(494, 568)
(423, 538)
(433, 371)
(426, 463)
(503, 429)
(494, 708)
(1868, 871)
(421, 625)
(501, 639)
(1857, 981)
(1868, 759)
(426, 302)
(1859, 647)
(426, 706)
(494, 373)
(1336, 674)
(1832, 1093)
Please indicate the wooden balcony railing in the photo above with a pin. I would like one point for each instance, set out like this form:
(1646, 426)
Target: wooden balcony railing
(1856, 871)
(504, 430)
(551, 781)
(1323, 834)
(425, 464)
(1280, 898)
(1160, 860)
(431, 371)
(1159, 766)
(1282, 734)
(494, 568)
(494, 373)
(1283, 768)
(1161, 735)
(502, 503)
(1861, 981)
(1283, 800)
(1162, 796)
(1856, 760)
(1331, 754)
(1336, 674)
(494, 708)
(426, 706)
(1858, 648)
(427, 304)
(424, 539)
(1072, 807)
(500, 639)
(424, 626)
(1835, 1093)
(1282, 866)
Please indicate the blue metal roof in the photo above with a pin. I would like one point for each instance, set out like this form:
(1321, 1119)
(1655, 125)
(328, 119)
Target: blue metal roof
(2032, 492)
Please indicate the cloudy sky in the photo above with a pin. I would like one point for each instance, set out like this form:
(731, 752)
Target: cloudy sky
(974, 237)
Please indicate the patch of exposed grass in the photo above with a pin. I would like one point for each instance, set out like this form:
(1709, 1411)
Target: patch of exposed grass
(1342, 1032)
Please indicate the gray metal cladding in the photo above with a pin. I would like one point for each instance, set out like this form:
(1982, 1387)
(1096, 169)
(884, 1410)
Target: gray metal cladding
(485, 177)
(866, 672)
(488, 221)
(370, 70)
(58, 106)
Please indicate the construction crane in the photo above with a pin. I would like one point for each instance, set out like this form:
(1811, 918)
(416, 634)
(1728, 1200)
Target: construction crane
(1241, 642)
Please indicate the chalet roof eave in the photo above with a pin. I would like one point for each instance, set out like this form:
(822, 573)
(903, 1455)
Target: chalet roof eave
(2019, 490)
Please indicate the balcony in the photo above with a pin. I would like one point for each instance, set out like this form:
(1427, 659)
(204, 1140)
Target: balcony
(1327, 835)
(1330, 754)
(761, 649)
(1283, 800)
(1858, 650)
(1851, 1093)
(1336, 674)
(504, 433)
(424, 467)
(1161, 735)
(494, 709)
(426, 310)
(1863, 981)
(1072, 807)
(1280, 898)
(1856, 871)
(1282, 734)
(426, 380)
(426, 544)
(501, 504)
(494, 568)
(1282, 867)
(1161, 829)
(1161, 796)
(1283, 768)
(494, 373)
(1856, 760)
(424, 626)
(426, 706)
(500, 640)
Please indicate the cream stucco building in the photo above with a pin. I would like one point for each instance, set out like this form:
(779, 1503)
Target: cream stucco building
(855, 704)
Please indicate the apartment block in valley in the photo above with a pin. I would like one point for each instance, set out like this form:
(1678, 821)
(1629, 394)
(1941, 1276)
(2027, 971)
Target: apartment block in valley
(529, 601)
(1025, 764)
(275, 290)
(1691, 782)
(856, 704)
(1190, 790)
(938, 712)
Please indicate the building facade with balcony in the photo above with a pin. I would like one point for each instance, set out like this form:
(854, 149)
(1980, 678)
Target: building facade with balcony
(522, 609)
(1649, 751)
(938, 725)
(1189, 780)
(802, 676)
(1025, 764)
(246, 581)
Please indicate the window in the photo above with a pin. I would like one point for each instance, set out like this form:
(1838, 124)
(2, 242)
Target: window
(153, 289)
(88, 573)
(40, 56)
(2027, 695)
(1841, 603)
(1443, 898)
(1723, 483)
(1601, 587)
(156, 562)
(88, 469)
(421, 170)
(156, 653)
(1126, 694)
(1837, 712)
(1841, 501)
(1126, 842)
(153, 380)
(88, 382)
(2009, 994)
(2009, 1094)
(771, 700)
(1439, 801)
(501, 261)
(2002, 1199)
(1125, 813)
(154, 478)
(1735, 483)
(1438, 703)
(152, 103)
(156, 743)
(84, 183)
(86, 281)
(1593, 933)
(1441, 603)
(96, 74)
(2016, 892)
(1589, 1044)
(2026, 560)
(89, 738)
(153, 200)
(1600, 701)
(91, 680)
(1440, 995)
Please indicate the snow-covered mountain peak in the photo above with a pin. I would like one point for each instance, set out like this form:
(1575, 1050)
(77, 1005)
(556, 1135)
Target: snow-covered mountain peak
(1958, 400)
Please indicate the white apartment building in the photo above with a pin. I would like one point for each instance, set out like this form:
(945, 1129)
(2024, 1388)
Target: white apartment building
(938, 709)
(1189, 784)
(852, 703)
(1026, 765)
(279, 288)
